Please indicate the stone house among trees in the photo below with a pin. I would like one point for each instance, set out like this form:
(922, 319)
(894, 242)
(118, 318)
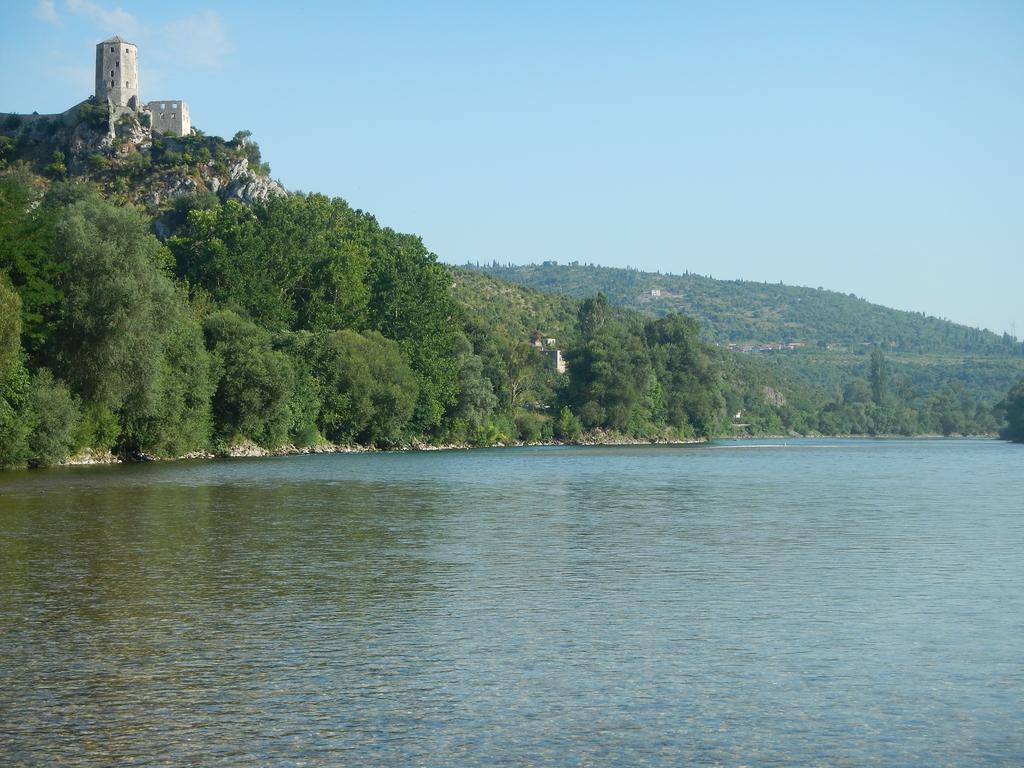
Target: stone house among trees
(546, 347)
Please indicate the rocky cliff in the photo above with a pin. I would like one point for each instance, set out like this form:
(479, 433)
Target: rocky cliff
(131, 162)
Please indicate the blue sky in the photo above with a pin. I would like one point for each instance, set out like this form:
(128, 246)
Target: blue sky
(869, 148)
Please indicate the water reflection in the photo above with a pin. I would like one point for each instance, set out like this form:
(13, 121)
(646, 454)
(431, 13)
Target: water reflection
(550, 606)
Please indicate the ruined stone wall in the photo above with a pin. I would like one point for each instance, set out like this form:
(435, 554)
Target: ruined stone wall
(170, 116)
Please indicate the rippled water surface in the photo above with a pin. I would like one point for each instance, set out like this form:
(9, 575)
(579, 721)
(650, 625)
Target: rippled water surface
(808, 602)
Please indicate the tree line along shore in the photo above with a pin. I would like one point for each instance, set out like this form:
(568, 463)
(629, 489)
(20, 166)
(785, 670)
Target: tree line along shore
(299, 321)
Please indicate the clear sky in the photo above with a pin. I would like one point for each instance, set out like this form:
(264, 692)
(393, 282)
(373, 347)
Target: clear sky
(874, 148)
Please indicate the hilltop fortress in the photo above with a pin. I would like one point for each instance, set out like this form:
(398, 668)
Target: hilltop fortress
(144, 152)
(117, 88)
(117, 85)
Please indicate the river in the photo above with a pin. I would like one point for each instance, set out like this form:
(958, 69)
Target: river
(799, 602)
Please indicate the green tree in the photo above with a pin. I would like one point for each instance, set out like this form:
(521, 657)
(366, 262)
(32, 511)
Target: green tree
(117, 300)
(175, 417)
(609, 377)
(310, 239)
(476, 403)
(567, 427)
(857, 391)
(28, 255)
(945, 411)
(98, 428)
(8, 147)
(56, 416)
(220, 250)
(10, 325)
(593, 313)
(879, 376)
(16, 416)
(57, 168)
(255, 382)
(689, 380)
(410, 303)
(94, 113)
(1012, 409)
(293, 262)
(119, 314)
(368, 389)
(532, 427)
(523, 365)
(306, 400)
(15, 413)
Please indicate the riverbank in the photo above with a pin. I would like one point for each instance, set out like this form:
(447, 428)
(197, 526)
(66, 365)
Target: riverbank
(250, 449)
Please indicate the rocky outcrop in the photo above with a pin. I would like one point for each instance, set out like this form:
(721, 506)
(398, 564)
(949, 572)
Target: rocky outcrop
(773, 397)
(131, 132)
(167, 187)
(237, 182)
(85, 143)
(244, 185)
(92, 457)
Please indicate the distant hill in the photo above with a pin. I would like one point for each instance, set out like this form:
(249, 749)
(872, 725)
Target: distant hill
(747, 313)
(514, 301)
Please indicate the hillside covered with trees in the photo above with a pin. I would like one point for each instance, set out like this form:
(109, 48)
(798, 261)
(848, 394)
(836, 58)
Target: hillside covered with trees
(745, 312)
(947, 378)
(295, 320)
(144, 316)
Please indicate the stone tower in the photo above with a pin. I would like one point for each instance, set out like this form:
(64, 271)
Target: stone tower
(117, 73)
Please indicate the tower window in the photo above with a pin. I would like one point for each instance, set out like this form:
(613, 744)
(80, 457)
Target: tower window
(111, 83)
(111, 49)
(127, 84)
(117, 64)
(111, 73)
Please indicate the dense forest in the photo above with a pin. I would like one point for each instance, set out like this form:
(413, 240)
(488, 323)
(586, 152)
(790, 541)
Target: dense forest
(196, 323)
(295, 320)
